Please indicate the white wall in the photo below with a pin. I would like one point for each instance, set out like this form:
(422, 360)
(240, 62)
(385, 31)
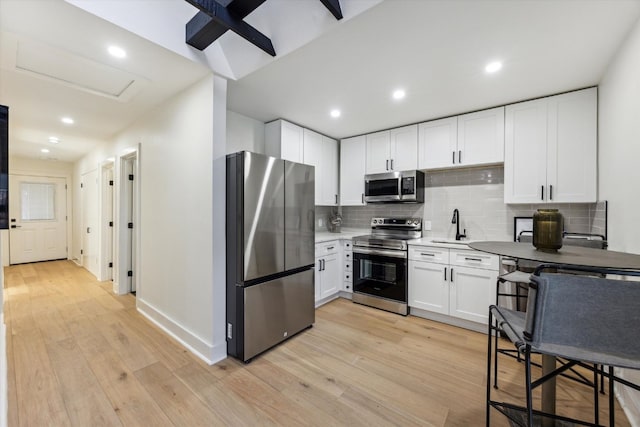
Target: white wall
(244, 133)
(175, 276)
(618, 155)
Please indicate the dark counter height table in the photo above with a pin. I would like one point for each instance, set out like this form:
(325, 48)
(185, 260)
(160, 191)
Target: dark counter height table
(570, 255)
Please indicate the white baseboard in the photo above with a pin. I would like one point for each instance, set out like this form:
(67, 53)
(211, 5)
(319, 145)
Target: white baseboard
(450, 320)
(3, 373)
(209, 353)
(325, 300)
(629, 401)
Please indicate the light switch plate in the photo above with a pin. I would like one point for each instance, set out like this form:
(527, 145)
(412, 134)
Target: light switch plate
(427, 225)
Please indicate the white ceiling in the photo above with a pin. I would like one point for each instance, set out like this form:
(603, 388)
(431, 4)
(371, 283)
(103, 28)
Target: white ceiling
(436, 50)
(54, 63)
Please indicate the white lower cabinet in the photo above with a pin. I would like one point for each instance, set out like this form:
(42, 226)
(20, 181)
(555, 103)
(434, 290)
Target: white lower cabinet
(459, 283)
(347, 266)
(328, 272)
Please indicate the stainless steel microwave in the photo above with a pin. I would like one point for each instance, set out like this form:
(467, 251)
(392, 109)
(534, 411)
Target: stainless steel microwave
(394, 187)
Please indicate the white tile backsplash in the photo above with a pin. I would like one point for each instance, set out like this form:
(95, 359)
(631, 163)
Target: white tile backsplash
(478, 194)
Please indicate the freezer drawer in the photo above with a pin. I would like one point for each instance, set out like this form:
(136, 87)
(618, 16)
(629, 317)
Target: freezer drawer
(276, 310)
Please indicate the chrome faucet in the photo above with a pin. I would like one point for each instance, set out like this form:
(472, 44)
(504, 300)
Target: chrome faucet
(456, 220)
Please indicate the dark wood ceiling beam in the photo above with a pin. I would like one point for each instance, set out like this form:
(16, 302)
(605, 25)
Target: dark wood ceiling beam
(214, 19)
(334, 7)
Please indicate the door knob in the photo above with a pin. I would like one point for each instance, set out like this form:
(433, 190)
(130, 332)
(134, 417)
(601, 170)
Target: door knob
(88, 230)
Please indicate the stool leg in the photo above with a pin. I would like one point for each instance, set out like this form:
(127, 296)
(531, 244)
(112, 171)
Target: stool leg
(488, 409)
(612, 408)
(596, 406)
(527, 358)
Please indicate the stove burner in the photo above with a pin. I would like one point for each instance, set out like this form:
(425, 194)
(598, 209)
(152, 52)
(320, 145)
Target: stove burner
(390, 233)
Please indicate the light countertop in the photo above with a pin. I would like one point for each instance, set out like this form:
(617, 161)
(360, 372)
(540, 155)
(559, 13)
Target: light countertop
(345, 233)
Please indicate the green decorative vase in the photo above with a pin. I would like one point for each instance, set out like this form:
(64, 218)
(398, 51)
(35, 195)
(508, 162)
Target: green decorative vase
(548, 225)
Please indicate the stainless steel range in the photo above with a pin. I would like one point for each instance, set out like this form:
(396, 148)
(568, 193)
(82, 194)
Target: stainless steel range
(380, 263)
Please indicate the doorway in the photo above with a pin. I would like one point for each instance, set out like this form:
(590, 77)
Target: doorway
(89, 193)
(38, 219)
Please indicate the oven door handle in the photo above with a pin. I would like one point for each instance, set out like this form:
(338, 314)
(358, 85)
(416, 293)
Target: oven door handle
(381, 252)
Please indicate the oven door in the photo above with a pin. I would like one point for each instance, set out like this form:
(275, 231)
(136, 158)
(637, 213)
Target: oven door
(381, 273)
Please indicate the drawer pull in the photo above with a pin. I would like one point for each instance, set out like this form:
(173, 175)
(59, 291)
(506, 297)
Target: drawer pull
(473, 259)
(330, 248)
(425, 254)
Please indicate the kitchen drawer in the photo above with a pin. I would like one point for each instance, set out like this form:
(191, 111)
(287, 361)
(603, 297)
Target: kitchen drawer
(475, 259)
(348, 265)
(347, 245)
(429, 253)
(327, 248)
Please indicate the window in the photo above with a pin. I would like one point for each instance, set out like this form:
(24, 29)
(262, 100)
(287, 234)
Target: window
(37, 201)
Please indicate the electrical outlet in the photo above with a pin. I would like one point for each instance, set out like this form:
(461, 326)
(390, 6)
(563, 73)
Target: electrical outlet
(427, 225)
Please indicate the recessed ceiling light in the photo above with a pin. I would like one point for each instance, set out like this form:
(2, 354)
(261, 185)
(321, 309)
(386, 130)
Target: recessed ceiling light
(399, 94)
(118, 52)
(44, 150)
(54, 139)
(335, 113)
(492, 67)
(67, 120)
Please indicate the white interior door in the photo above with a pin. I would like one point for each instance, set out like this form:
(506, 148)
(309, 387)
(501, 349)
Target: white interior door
(38, 219)
(130, 205)
(90, 221)
(107, 222)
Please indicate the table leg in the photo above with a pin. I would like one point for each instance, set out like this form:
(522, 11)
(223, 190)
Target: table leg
(548, 389)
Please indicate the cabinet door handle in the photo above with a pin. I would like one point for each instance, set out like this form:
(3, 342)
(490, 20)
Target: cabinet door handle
(550, 192)
(324, 265)
(445, 274)
(336, 199)
(542, 193)
(425, 254)
(473, 259)
(460, 156)
(391, 164)
(453, 158)
(387, 164)
(451, 274)
(363, 198)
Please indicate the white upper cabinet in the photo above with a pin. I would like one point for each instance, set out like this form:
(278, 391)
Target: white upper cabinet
(525, 162)
(284, 140)
(297, 144)
(438, 139)
(353, 164)
(392, 150)
(551, 149)
(466, 140)
(322, 152)
(329, 175)
(378, 152)
(481, 137)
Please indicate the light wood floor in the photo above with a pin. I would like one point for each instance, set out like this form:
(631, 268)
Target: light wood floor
(79, 355)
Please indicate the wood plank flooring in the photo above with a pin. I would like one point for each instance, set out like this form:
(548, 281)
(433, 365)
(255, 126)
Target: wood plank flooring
(80, 356)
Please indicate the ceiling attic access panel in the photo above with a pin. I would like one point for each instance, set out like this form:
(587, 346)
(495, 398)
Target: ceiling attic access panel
(216, 17)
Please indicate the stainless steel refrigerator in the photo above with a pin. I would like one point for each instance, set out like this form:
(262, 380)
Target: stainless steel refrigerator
(270, 252)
